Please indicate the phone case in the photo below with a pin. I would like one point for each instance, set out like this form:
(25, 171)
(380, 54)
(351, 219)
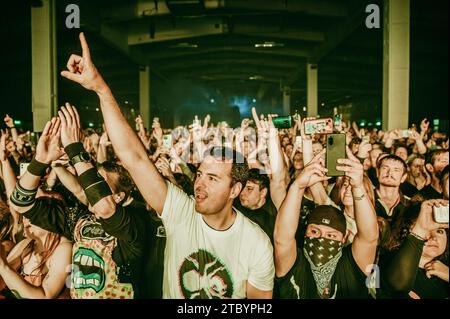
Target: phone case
(335, 150)
(319, 126)
(441, 214)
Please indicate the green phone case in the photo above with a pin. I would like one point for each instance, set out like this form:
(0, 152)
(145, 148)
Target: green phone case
(335, 150)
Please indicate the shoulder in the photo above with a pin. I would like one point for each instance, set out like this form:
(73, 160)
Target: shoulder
(253, 233)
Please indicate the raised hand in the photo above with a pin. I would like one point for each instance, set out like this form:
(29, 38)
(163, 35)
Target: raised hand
(425, 222)
(352, 168)
(437, 268)
(313, 173)
(424, 125)
(48, 148)
(82, 70)
(3, 151)
(364, 148)
(70, 125)
(8, 121)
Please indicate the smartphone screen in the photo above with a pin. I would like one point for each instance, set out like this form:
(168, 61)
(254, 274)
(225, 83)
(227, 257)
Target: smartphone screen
(335, 150)
(167, 141)
(23, 168)
(319, 126)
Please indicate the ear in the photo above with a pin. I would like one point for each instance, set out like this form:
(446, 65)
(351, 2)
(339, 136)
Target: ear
(264, 192)
(236, 190)
(404, 177)
(347, 234)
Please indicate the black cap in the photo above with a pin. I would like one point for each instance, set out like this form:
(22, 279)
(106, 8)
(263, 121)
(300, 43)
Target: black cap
(329, 216)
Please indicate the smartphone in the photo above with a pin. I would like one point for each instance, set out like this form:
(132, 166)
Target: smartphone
(23, 168)
(337, 120)
(167, 141)
(405, 133)
(282, 121)
(298, 140)
(366, 138)
(441, 214)
(335, 150)
(319, 126)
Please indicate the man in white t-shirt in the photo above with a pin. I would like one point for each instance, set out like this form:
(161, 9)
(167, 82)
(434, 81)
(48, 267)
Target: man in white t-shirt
(212, 250)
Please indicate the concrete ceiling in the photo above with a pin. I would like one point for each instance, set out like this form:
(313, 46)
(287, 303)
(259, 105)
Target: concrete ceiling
(234, 46)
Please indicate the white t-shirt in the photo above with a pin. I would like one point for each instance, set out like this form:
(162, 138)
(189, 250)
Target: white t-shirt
(201, 262)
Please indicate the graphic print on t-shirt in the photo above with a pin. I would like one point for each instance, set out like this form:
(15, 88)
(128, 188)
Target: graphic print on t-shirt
(95, 271)
(203, 275)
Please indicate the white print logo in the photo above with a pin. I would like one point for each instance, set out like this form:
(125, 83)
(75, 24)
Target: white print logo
(373, 279)
(73, 19)
(373, 19)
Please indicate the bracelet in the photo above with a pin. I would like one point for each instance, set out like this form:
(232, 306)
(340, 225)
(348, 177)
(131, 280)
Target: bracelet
(418, 236)
(74, 149)
(22, 197)
(359, 197)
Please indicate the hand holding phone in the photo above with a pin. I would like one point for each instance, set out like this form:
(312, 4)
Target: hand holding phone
(318, 126)
(335, 150)
(440, 214)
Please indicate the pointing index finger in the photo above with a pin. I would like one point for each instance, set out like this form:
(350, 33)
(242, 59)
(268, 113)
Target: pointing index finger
(85, 47)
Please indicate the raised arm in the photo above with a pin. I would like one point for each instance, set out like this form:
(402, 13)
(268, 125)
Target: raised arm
(10, 124)
(126, 144)
(9, 178)
(52, 283)
(402, 269)
(288, 216)
(47, 150)
(364, 244)
(277, 165)
(97, 191)
(70, 182)
(318, 192)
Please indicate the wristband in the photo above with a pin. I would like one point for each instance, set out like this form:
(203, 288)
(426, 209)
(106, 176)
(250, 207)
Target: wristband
(74, 149)
(37, 168)
(418, 236)
(22, 197)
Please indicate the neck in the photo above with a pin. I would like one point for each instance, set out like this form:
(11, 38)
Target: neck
(389, 193)
(436, 184)
(259, 204)
(424, 260)
(221, 220)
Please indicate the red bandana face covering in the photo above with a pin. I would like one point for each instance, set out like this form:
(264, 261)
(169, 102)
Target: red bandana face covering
(323, 255)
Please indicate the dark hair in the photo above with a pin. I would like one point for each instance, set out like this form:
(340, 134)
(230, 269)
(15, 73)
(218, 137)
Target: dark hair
(413, 157)
(123, 183)
(256, 176)
(184, 182)
(402, 224)
(239, 167)
(442, 176)
(430, 157)
(394, 158)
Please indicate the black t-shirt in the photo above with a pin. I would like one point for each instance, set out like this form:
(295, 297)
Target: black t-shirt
(430, 288)
(408, 189)
(372, 173)
(125, 229)
(260, 216)
(153, 260)
(348, 281)
(429, 192)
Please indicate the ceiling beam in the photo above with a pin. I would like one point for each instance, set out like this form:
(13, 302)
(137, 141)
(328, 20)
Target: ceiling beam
(309, 7)
(147, 31)
(337, 34)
